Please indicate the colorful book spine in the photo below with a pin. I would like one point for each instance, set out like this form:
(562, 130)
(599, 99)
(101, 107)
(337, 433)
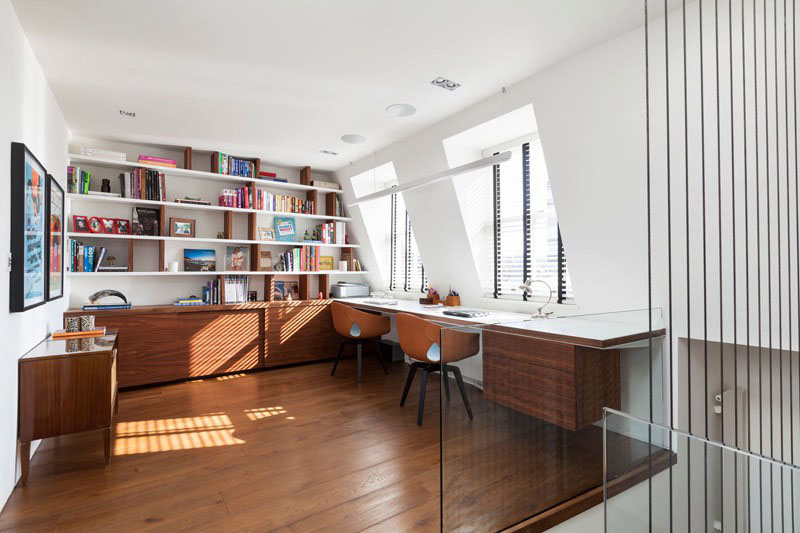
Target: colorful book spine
(160, 161)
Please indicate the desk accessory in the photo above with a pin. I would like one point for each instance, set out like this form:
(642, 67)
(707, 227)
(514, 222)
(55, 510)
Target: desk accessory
(526, 287)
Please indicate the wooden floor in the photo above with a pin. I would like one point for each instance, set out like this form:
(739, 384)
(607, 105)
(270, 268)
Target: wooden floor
(298, 450)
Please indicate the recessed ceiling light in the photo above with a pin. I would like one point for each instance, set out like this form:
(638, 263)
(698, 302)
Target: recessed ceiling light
(444, 83)
(401, 110)
(354, 138)
(131, 114)
(328, 152)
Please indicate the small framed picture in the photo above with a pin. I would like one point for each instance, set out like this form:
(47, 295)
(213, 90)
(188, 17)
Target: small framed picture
(237, 258)
(266, 234)
(108, 225)
(80, 224)
(122, 226)
(326, 262)
(265, 261)
(95, 225)
(181, 227)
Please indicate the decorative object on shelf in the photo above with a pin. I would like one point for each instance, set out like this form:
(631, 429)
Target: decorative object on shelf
(110, 260)
(280, 266)
(265, 261)
(325, 184)
(252, 296)
(181, 227)
(286, 291)
(192, 200)
(80, 224)
(306, 236)
(95, 225)
(108, 225)
(326, 262)
(105, 185)
(347, 257)
(87, 322)
(266, 234)
(346, 239)
(145, 221)
(220, 235)
(28, 230)
(55, 253)
(173, 266)
(343, 266)
(285, 229)
(97, 296)
(122, 226)
(72, 324)
(198, 260)
(237, 258)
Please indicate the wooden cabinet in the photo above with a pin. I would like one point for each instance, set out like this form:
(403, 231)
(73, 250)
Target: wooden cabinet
(299, 331)
(216, 342)
(564, 384)
(67, 386)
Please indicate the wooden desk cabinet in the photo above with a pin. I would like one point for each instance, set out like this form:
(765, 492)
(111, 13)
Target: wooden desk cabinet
(67, 386)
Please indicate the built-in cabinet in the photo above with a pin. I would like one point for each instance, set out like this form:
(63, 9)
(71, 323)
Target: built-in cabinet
(168, 343)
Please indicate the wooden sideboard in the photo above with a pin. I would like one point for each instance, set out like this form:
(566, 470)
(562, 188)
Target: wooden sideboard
(67, 386)
(167, 343)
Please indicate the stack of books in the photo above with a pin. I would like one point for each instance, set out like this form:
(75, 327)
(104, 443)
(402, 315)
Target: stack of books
(85, 258)
(325, 184)
(64, 334)
(145, 184)
(332, 232)
(234, 166)
(303, 259)
(271, 176)
(285, 204)
(104, 154)
(158, 161)
(236, 289)
(106, 307)
(78, 180)
(184, 302)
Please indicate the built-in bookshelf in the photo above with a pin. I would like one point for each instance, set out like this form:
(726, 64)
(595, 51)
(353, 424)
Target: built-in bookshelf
(321, 205)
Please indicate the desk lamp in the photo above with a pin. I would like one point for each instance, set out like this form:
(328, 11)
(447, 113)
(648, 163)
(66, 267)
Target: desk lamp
(526, 287)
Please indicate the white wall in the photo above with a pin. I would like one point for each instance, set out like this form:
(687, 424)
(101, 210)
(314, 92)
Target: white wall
(30, 114)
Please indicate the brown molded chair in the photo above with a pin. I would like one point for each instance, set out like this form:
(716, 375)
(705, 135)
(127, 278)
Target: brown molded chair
(359, 327)
(420, 340)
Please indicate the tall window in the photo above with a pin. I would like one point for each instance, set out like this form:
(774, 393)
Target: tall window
(407, 271)
(527, 240)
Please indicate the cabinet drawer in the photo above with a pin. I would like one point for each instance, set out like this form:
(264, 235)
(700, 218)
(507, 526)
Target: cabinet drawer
(529, 350)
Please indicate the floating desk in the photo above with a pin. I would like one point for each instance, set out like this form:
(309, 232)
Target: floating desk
(560, 370)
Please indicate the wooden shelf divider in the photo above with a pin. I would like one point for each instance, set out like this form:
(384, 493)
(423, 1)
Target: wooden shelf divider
(269, 287)
(187, 158)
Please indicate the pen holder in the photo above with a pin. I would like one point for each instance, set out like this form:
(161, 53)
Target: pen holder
(452, 301)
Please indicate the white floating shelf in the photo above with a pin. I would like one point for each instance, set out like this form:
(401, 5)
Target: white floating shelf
(219, 273)
(192, 207)
(81, 235)
(76, 159)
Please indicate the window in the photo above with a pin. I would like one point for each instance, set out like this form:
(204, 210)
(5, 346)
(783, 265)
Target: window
(527, 239)
(407, 271)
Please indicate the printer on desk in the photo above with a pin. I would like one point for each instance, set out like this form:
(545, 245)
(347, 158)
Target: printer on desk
(347, 289)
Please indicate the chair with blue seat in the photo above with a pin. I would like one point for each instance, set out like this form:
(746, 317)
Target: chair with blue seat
(421, 340)
(359, 328)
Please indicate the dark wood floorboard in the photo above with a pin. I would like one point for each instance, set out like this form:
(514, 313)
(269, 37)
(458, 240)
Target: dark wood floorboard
(295, 449)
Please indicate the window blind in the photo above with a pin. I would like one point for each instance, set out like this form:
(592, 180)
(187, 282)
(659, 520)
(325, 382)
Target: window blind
(407, 272)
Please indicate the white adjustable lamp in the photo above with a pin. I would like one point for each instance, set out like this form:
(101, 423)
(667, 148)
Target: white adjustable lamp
(433, 178)
(526, 287)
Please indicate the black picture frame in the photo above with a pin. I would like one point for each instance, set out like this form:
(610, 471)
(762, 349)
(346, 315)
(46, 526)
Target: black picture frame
(55, 239)
(28, 280)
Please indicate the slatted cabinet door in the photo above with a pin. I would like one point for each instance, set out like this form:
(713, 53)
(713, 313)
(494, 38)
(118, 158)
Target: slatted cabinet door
(299, 331)
(221, 341)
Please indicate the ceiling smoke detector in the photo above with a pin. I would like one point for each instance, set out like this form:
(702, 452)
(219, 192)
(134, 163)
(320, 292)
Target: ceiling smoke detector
(401, 110)
(131, 114)
(444, 83)
(328, 152)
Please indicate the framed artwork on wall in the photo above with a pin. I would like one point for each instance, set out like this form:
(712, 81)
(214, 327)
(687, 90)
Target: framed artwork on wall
(55, 249)
(28, 230)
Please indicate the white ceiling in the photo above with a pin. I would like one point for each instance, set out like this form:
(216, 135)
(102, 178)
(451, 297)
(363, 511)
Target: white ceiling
(283, 79)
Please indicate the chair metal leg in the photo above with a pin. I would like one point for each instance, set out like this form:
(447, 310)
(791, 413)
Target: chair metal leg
(446, 381)
(422, 395)
(358, 350)
(411, 371)
(338, 356)
(380, 356)
(460, 382)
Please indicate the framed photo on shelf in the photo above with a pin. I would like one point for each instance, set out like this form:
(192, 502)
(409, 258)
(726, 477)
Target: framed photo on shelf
(181, 227)
(108, 225)
(55, 249)
(266, 234)
(95, 225)
(286, 291)
(326, 262)
(80, 224)
(237, 258)
(265, 261)
(29, 230)
(122, 226)
(196, 260)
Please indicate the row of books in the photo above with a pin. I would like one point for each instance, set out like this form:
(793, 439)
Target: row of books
(78, 180)
(235, 197)
(332, 232)
(235, 166)
(85, 258)
(302, 259)
(159, 161)
(189, 302)
(104, 154)
(107, 307)
(281, 202)
(144, 184)
(233, 291)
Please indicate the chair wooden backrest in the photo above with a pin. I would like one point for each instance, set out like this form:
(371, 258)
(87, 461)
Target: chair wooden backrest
(355, 324)
(422, 340)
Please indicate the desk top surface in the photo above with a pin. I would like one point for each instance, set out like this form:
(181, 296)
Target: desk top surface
(72, 347)
(603, 330)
